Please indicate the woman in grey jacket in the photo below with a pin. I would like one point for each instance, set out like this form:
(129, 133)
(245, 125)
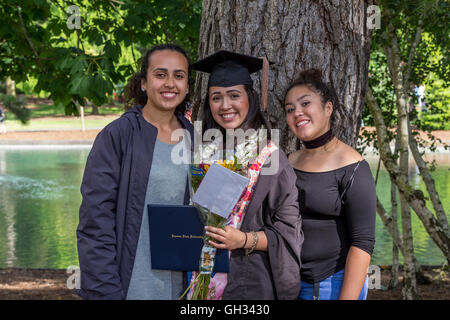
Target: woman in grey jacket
(265, 250)
(127, 169)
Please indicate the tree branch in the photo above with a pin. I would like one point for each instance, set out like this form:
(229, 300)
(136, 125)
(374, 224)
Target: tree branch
(429, 183)
(412, 53)
(390, 225)
(414, 198)
(30, 43)
(116, 1)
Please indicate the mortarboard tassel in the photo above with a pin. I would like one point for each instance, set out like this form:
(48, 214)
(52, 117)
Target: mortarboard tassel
(264, 83)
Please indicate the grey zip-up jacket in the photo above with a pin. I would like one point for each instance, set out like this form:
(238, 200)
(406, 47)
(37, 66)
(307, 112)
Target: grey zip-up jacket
(113, 190)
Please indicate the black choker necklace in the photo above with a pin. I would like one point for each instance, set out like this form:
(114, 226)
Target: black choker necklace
(320, 141)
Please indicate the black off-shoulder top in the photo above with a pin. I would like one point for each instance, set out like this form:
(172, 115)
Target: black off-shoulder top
(338, 209)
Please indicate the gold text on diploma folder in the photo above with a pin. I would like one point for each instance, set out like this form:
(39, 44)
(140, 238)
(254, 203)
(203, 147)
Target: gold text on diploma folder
(185, 236)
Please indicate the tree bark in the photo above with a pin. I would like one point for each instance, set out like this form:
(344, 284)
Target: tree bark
(395, 247)
(390, 225)
(296, 35)
(94, 110)
(10, 86)
(409, 281)
(409, 290)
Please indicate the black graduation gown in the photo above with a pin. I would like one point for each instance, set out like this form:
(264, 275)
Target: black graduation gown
(274, 274)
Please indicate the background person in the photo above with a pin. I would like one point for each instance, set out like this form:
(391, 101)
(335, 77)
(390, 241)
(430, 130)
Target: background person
(2, 121)
(421, 97)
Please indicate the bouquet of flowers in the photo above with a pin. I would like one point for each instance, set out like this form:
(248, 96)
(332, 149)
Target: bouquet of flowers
(237, 161)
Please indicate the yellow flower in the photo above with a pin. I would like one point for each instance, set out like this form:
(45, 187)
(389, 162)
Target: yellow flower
(229, 164)
(206, 167)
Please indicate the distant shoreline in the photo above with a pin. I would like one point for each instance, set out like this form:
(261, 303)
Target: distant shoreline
(73, 135)
(78, 139)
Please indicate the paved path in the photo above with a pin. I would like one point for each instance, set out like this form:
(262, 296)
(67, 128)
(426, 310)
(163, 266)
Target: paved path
(49, 137)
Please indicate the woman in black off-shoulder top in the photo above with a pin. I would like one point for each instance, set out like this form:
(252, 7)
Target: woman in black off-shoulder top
(337, 196)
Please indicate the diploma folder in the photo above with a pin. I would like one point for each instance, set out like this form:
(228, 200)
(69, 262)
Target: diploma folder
(176, 239)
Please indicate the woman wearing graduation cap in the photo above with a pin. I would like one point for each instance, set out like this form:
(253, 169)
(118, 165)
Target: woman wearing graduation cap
(265, 244)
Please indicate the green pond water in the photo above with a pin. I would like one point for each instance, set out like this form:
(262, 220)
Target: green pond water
(40, 198)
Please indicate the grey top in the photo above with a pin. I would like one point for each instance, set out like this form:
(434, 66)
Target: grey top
(166, 185)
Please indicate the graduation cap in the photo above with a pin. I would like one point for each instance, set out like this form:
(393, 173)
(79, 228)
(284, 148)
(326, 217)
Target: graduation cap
(229, 69)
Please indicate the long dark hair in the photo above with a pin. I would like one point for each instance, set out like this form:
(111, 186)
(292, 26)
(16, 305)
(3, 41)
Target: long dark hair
(254, 119)
(312, 78)
(133, 93)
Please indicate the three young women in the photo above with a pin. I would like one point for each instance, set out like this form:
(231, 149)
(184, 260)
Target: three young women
(129, 165)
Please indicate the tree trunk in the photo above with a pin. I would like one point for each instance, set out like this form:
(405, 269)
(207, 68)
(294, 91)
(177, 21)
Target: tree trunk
(393, 58)
(295, 35)
(395, 64)
(395, 248)
(409, 290)
(391, 227)
(10, 86)
(409, 282)
(94, 110)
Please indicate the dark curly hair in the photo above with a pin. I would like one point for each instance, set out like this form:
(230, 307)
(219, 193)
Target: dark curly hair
(133, 93)
(312, 78)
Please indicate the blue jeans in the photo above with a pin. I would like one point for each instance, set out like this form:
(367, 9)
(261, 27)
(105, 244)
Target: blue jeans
(329, 288)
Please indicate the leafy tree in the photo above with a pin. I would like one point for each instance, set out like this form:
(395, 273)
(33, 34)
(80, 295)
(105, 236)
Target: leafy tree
(430, 63)
(410, 28)
(75, 48)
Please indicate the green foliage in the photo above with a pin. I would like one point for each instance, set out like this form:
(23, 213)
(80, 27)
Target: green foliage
(16, 105)
(430, 63)
(382, 87)
(75, 65)
(431, 58)
(437, 97)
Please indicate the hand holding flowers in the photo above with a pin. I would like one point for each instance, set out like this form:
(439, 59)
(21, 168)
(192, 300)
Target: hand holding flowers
(228, 238)
(216, 216)
(231, 238)
(224, 233)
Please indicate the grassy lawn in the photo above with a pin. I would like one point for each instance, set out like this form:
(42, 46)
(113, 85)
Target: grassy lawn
(45, 117)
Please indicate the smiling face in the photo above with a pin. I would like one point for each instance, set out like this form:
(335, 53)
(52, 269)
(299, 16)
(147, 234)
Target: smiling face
(229, 105)
(167, 80)
(306, 115)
